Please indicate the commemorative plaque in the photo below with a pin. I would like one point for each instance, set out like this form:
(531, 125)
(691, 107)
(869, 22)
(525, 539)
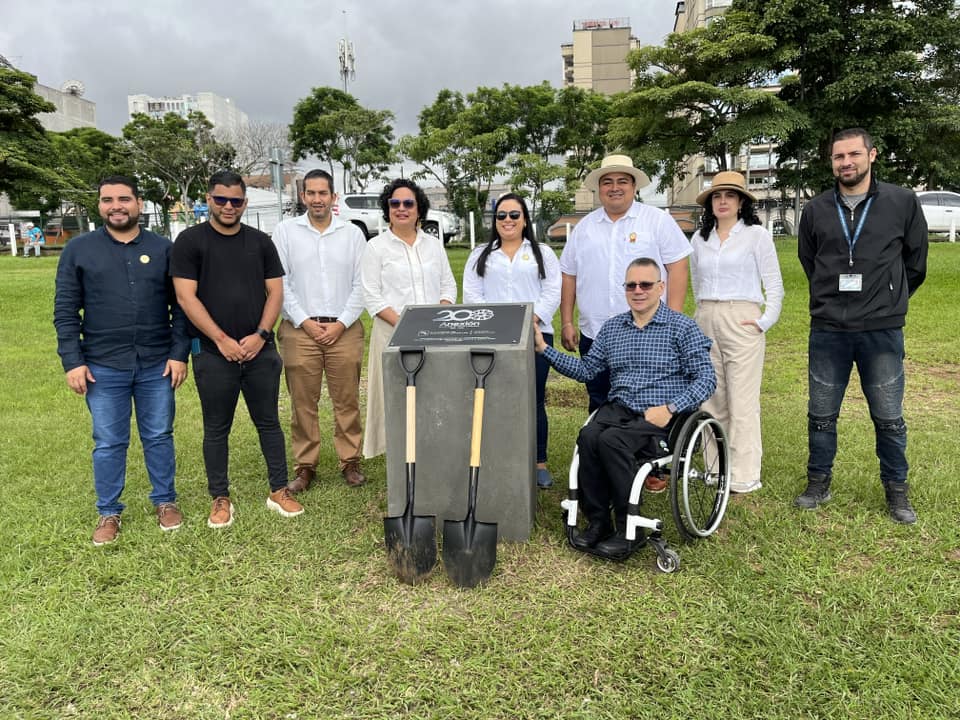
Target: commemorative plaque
(447, 334)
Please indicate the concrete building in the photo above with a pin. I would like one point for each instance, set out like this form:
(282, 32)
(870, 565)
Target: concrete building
(597, 57)
(73, 110)
(226, 118)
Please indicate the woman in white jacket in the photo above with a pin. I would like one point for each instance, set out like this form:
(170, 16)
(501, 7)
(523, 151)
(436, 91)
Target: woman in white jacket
(739, 292)
(402, 266)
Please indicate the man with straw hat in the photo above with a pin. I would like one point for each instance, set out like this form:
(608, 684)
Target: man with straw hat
(601, 247)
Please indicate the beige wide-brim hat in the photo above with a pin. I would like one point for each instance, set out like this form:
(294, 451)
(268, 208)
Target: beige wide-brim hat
(727, 180)
(612, 164)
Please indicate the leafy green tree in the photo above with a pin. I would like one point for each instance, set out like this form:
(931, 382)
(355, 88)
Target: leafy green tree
(890, 67)
(584, 121)
(702, 92)
(173, 157)
(533, 176)
(27, 158)
(331, 125)
(88, 155)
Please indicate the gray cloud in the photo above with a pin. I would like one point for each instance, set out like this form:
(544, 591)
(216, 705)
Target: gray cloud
(266, 56)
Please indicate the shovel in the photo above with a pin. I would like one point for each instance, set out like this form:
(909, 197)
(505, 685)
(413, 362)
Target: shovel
(411, 540)
(470, 547)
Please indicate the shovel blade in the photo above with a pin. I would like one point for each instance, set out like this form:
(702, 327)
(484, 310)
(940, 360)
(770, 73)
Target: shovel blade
(469, 551)
(411, 546)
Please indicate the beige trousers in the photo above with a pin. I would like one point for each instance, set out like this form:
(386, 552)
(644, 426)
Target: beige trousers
(375, 440)
(305, 363)
(737, 354)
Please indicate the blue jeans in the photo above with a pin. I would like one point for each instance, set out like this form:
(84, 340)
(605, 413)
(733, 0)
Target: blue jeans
(219, 384)
(542, 369)
(109, 400)
(878, 355)
(599, 387)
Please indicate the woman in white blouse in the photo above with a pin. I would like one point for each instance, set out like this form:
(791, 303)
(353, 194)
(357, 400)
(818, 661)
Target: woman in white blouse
(402, 266)
(514, 267)
(739, 293)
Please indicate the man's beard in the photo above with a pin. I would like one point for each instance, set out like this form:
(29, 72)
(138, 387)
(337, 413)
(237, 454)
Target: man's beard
(855, 180)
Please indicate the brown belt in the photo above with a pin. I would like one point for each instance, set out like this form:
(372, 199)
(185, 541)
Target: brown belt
(322, 319)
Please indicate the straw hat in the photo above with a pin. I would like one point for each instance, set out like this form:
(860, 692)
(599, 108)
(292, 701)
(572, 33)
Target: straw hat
(727, 180)
(612, 164)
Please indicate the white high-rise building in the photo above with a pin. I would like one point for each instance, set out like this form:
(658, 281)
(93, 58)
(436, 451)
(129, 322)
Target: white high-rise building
(226, 118)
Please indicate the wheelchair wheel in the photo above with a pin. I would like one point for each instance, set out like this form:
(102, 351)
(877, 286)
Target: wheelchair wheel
(700, 485)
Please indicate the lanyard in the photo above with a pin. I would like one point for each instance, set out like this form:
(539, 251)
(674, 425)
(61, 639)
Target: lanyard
(852, 242)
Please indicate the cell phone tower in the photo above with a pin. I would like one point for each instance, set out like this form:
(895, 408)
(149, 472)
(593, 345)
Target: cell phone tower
(348, 58)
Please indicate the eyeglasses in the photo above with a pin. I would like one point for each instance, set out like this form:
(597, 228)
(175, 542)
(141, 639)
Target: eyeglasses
(234, 202)
(408, 203)
(513, 215)
(645, 285)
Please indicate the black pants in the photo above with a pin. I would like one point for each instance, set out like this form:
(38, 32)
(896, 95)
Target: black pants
(219, 384)
(608, 445)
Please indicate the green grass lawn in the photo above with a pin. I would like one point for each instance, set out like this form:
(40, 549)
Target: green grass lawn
(836, 613)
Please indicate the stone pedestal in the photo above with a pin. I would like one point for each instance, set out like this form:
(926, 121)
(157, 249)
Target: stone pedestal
(445, 390)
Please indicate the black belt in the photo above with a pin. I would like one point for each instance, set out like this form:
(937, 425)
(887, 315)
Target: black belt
(322, 319)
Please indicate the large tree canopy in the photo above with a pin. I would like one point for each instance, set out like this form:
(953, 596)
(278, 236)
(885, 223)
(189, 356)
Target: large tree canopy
(331, 125)
(173, 157)
(27, 159)
(702, 92)
(890, 67)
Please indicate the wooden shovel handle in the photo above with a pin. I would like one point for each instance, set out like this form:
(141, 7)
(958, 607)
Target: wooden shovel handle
(477, 426)
(411, 423)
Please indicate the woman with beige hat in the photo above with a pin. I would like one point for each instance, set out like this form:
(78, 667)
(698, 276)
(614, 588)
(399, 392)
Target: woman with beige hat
(739, 292)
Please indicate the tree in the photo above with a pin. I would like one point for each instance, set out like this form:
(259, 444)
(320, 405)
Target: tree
(87, 155)
(584, 121)
(254, 143)
(330, 124)
(532, 172)
(890, 67)
(174, 156)
(27, 159)
(702, 92)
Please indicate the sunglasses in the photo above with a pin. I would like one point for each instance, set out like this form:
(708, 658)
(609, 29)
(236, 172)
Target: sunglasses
(645, 285)
(513, 215)
(234, 202)
(406, 202)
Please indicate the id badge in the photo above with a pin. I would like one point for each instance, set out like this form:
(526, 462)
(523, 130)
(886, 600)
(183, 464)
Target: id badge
(851, 283)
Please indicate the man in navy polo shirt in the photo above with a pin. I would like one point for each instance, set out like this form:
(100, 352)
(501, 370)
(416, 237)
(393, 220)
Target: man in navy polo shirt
(129, 344)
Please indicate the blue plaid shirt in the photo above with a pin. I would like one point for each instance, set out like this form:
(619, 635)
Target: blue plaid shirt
(666, 361)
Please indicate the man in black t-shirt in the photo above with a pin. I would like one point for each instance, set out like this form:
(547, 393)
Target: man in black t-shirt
(229, 282)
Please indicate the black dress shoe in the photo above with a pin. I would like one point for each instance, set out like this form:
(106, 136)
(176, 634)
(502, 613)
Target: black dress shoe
(617, 546)
(594, 533)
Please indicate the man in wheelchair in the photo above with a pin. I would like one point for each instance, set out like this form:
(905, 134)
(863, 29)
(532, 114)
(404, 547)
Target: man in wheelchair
(659, 365)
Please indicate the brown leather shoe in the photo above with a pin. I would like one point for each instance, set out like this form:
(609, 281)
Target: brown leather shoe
(302, 479)
(653, 484)
(351, 473)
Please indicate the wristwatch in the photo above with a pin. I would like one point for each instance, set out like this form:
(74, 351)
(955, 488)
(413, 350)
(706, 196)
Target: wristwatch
(265, 334)
(671, 408)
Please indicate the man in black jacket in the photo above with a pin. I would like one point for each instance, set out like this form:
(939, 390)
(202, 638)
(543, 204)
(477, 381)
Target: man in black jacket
(863, 246)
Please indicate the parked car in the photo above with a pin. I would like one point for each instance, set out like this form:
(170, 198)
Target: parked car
(941, 209)
(363, 210)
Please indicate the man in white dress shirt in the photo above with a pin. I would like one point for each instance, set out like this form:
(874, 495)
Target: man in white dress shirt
(600, 248)
(320, 333)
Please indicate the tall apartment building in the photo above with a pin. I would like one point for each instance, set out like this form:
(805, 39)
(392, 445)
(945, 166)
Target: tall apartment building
(757, 161)
(597, 57)
(226, 117)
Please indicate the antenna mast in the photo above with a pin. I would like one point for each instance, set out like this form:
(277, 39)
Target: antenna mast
(348, 58)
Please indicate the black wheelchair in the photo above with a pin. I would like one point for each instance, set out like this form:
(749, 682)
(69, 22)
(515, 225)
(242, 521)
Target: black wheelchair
(696, 465)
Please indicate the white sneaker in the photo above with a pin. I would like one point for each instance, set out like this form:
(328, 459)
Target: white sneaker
(741, 489)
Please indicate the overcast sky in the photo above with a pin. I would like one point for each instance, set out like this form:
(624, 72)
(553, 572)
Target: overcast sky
(266, 56)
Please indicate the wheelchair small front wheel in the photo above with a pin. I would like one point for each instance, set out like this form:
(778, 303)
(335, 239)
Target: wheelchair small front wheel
(669, 561)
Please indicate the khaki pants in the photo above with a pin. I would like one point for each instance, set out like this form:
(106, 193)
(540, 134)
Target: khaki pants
(305, 363)
(737, 354)
(375, 441)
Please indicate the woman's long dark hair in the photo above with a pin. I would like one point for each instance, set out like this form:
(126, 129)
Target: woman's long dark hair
(708, 221)
(495, 241)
